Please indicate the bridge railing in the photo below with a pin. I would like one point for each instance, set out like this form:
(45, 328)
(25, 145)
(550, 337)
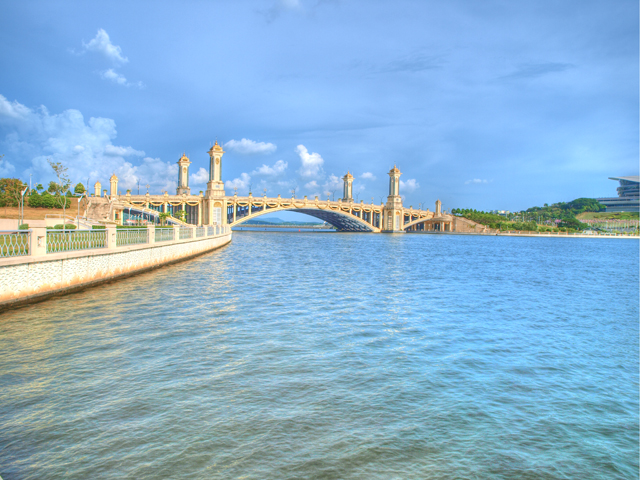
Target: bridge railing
(14, 243)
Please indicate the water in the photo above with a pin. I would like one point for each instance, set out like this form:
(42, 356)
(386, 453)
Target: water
(335, 356)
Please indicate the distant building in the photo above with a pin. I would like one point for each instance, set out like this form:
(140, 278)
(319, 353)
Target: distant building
(504, 213)
(628, 199)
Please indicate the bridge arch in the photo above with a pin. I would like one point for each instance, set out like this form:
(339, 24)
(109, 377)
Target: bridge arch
(342, 220)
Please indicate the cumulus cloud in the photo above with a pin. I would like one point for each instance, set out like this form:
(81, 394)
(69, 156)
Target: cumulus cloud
(102, 44)
(368, 176)
(86, 148)
(241, 183)
(6, 168)
(410, 185)
(311, 163)
(250, 147)
(119, 79)
(476, 180)
(311, 185)
(200, 177)
(114, 151)
(278, 168)
(13, 110)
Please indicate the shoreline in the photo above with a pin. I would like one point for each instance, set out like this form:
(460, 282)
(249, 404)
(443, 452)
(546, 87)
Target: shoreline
(538, 235)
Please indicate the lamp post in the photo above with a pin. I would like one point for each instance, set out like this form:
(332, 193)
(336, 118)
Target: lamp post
(22, 203)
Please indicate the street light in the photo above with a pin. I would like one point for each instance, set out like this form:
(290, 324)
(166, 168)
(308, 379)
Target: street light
(22, 202)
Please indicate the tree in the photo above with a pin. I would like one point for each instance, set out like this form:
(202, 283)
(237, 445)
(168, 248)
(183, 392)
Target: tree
(181, 214)
(59, 188)
(163, 217)
(10, 192)
(39, 187)
(79, 189)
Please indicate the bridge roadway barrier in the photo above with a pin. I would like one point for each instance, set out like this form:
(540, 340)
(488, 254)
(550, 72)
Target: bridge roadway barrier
(38, 263)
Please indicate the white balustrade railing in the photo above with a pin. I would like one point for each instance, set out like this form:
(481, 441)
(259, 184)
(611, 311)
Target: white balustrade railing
(14, 243)
(163, 234)
(71, 240)
(41, 241)
(132, 236)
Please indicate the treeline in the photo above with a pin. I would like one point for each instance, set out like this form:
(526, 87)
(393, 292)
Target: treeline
(11, 189)
(568, 221)
(563, 210)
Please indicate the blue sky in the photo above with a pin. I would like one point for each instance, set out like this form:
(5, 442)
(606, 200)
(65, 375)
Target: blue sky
(486, 105)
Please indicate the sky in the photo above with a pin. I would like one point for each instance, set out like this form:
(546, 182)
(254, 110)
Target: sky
(485, 105)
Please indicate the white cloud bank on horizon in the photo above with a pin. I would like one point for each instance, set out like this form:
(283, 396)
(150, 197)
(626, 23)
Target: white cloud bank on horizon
(85, 148)
(250, 147)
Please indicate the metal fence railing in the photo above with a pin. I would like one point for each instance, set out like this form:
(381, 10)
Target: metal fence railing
(70, 240)
(164, 234)
(14, 243)
(200, 232)
(185, 232)
(132, 236)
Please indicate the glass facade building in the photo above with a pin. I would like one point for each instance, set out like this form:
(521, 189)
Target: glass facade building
(628, 199)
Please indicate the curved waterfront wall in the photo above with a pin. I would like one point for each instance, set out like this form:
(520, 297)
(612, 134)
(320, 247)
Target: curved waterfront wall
(38, 275)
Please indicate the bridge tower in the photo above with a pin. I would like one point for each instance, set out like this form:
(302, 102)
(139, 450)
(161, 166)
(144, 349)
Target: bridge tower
(183, 176)
(393, 214)
(347, 192)
(215, 208)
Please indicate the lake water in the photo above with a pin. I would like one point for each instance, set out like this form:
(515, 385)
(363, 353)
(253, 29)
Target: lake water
(355, 356)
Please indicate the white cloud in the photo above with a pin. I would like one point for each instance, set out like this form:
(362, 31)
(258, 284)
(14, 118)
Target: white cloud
(311, 163)
(278, 168)
(311, 185)
(115, 151)
(12, 109)
(200, 177)
(409, 186)
(6, 168)
(368, 176)
(114, 77)
(119, 79)
(250, 147)
(242, 183)
(475, 180)
(84, 147)
(102, 44)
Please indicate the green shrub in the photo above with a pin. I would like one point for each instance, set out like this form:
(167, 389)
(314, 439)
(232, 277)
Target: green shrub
(24, 226)
(68, 226)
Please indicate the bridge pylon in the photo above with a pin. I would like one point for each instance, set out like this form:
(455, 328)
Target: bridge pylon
(393, 211)
(215, 205)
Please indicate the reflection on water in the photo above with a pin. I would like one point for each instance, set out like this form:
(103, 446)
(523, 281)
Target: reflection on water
(341, 356)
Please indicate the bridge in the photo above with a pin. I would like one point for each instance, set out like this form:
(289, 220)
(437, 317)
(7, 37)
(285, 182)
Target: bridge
(215, 207)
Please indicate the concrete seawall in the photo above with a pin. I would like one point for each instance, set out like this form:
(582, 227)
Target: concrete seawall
(29, 279)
